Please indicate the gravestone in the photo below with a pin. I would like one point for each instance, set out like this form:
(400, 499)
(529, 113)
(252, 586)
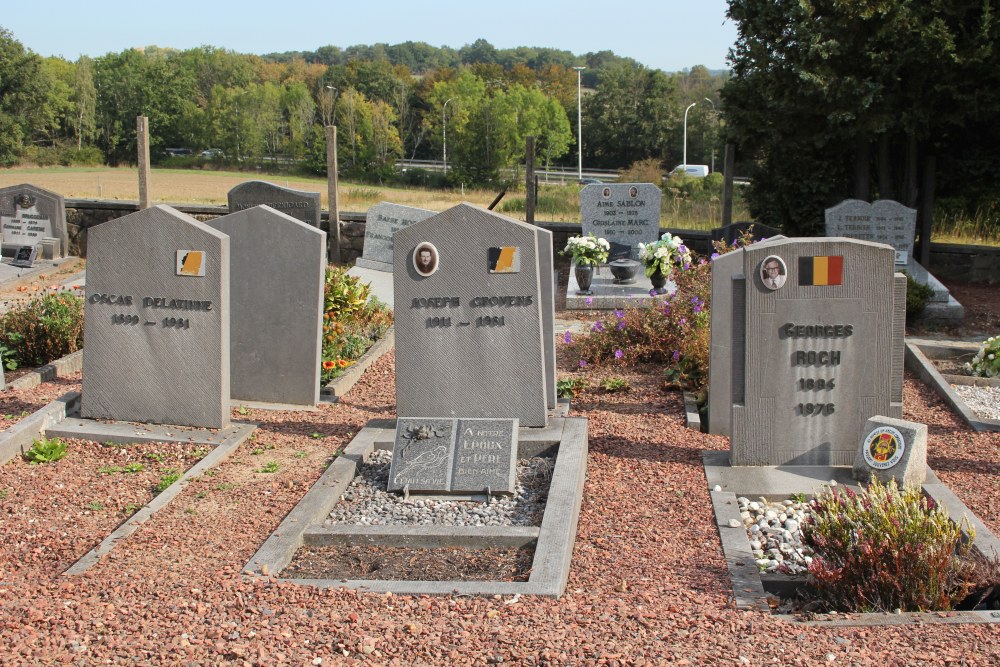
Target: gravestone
(883, 221)
(892, 449)
(384, 220)
(156, 321)
(30, 216)
(299, 204)
(278, 266)
(625, 214)
(547, 280)
(729, 233)
(721, 361)
(454, 456)
(469, 318)
(816, 355)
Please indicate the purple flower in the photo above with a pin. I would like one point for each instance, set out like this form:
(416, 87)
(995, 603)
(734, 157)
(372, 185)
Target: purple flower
(619, 354)
(687, 265)
(589, 300)
(619, 313)
(567, 338)
(682, 248)
(715, 255)
(652, 292)
(683, 321)
(597, 326)
(583, 364)
(697, 308)
(621, 325)
(694, 300)
(677, 355)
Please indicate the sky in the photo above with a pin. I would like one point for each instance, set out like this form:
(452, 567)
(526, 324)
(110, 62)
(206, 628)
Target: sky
(671, 35)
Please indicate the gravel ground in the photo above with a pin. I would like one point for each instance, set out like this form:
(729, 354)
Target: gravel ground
(984, 401)
(648, 583)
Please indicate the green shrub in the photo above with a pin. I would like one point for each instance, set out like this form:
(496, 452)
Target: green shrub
(352, 322)
(169, 477)
(44, 329)
(45, 450)
(567, 387)
(885, 549)
(917, 296)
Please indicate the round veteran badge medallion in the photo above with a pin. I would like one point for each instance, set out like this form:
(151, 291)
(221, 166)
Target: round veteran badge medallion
(884, 447)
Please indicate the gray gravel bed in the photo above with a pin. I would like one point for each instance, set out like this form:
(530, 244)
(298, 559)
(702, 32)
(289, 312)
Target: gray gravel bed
(367, 503)
(984, 401)
(774, 529)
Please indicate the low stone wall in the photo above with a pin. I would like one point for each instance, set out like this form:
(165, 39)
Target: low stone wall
(961, 263)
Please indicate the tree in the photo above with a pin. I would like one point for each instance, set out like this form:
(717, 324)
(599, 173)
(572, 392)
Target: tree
(22, 97)
(825, 93)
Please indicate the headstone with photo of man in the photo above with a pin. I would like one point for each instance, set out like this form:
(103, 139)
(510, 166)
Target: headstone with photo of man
(817, 349)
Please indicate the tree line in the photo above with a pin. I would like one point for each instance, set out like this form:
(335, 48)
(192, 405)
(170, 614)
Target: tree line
(409, 100)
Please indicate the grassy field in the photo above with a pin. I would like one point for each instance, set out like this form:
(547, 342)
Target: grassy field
(556, 203)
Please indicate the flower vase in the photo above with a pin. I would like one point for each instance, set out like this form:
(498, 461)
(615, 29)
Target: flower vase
(584, 277)
(659, 282)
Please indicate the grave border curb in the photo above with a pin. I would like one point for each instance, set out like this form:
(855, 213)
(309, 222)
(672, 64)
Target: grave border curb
(748, 585)
(919, 362)
(338, 386)
(18, 438)
(71, 363)
(553, 549)
(219, 453)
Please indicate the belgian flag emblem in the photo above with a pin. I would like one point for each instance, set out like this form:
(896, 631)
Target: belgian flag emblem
(506, 259)
(826, 270)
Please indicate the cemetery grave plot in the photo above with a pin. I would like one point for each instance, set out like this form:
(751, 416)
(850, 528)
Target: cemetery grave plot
(55, 512)
(940, 365)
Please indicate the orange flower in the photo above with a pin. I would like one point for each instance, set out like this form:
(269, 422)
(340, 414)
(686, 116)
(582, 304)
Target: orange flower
(342, 363)
(328, 365)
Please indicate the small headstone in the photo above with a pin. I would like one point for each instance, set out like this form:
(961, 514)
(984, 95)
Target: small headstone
(625, 214)
(24, 256)
(156, 321)
(454, 456)
(299, 204)
(817, 349)
(883, 221)
(469, 318)
(892, 449)
(276, 305)
(384, 220)
(29, 214)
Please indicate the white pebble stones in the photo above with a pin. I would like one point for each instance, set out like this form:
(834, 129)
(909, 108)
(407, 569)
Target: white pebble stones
(774, 529)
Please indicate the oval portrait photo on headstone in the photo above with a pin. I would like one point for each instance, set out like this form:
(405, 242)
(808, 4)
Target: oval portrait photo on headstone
(884, 448)
(773, 272)
(425, 259)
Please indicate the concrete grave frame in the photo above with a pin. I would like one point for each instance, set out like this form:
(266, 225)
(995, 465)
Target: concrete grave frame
(564, 437)
(752, 590)
(919, 356)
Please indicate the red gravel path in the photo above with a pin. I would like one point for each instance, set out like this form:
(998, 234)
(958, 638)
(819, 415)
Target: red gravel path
(648, 583)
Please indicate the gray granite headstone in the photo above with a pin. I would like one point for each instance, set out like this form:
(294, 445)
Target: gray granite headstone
(469, 328)
(454, 456)
(384, 220)
(278, 266)
(299, 204)
(625, 214)
(721, 361)
(892, 449)
(883, 221)
(29, 215)
(156, 321)
(820, 354)
(485, 456)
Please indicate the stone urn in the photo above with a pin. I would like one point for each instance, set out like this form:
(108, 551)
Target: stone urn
(584, 277)
(624, 271)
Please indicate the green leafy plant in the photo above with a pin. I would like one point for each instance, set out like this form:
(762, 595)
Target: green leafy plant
(170, 476)
(45, 450)
(243, 411)
(130, 509)
(156, 456)
(614, 385)
(884, 549)
(300, 455)
(568, 387)
(127, 468)
(43, 330)
(95, 506)
(270, 466)
(9, 358)
(986, 363)
(353, 320)
(917, 296)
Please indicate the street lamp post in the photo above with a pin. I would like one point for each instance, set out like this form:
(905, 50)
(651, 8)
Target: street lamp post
(713, 143)
(685, 164)
(579, 123)
(444, 135)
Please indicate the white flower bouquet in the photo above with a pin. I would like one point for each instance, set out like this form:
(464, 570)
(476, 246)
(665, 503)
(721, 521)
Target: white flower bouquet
(665, 255)
(587, 249)
(986, 363)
